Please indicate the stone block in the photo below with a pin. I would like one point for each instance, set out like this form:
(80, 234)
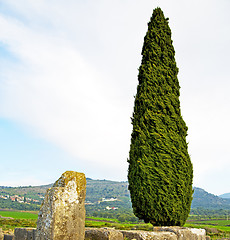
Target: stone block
(184, 233)
(8, 237)
(24, 233)
(145, 235)
(31, 234)
(103, 234)
(62, 213)
(211, 230)
(1, 234)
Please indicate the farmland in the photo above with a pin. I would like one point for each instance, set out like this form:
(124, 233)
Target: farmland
(13, 219)
(108, 205)
(216, 228)
(18, 215)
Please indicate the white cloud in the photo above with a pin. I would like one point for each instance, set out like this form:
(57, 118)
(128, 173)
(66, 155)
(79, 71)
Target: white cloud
(64, 99)
(75, 73)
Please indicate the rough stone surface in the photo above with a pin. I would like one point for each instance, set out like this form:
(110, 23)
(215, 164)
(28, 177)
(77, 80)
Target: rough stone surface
(1, 234)
(158, 233)
(102, 234)
(62, 214)
(144, 235)
(8, 237)
(211, 230)
(24, 233)
(183, 233)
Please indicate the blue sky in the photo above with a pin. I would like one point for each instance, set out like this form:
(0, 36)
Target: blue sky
(69, 73)
(28, 159)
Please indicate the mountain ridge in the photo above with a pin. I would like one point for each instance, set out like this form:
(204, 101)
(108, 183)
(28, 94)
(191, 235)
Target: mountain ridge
(97, 190)
(225, 195)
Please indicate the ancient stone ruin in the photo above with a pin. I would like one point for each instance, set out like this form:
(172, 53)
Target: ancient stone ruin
(62, 214)
(161, 233)
(24, 233)
(62, 217)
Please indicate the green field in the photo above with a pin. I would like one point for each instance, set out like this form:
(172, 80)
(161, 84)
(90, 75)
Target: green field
(15, 219)
(215, 228)
(222, 225)
(214, 222)
(19, 215)
(11, 219)
(122, 226)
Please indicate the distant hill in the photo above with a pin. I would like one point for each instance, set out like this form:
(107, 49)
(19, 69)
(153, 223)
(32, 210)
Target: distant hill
(22, 198)
(98, 194)
(225, 195)
(98, 189)
(203, 199)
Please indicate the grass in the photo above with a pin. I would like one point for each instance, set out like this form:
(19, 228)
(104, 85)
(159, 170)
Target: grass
(8, 225)
(103, 219)
(12, 219)
(117, 225)
(221, 225)
(19, 215)
(216, 229)
(214, 222)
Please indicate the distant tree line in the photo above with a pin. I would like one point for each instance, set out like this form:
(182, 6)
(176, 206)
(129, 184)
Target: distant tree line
(199, 213)
(8, 204)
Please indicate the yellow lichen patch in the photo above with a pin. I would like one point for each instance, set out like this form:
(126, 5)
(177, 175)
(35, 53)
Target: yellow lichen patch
(72, 176)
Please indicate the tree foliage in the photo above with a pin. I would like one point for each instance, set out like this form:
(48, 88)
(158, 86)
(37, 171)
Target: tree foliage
(160, 171)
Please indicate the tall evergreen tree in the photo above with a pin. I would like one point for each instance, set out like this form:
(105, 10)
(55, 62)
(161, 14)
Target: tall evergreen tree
(160, 171)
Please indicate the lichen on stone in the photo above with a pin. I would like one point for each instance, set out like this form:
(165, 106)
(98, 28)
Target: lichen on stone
(71, 176)
(62, 214)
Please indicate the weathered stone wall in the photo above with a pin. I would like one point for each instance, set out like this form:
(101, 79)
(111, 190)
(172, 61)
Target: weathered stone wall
(144, 235)
(169, 233)
(184, 233)
(103, 234)
(62, 214)
(161, 233)
(8, 237)
(24, 233)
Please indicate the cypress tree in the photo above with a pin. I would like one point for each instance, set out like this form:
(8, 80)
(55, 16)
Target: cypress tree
(160, 172)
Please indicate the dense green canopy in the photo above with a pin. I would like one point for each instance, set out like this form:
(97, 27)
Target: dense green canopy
(160, 171)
